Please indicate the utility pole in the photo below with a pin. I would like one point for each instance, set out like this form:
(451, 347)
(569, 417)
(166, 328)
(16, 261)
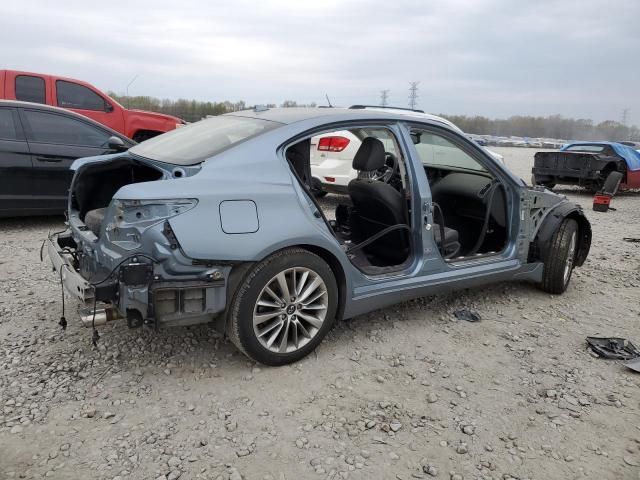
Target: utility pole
(128, 85)
(384, 95)
(413, 95)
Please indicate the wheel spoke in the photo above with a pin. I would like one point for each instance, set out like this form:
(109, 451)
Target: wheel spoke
(310, 319)
(285, 338)
(303, 330)
(284, 287)
(302, 282)
(273, 295)
(314, 307)
(294, 288)
(313, 298)
(270, 328)
(268, 303)
(294, 333)
(259, 318)
(310, 289)
(275, 334)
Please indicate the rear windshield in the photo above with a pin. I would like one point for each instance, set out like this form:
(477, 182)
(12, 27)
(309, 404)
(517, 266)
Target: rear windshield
(201, 140)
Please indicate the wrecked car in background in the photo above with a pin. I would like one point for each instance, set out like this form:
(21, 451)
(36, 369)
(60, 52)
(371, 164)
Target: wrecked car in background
(589, 165)
(216, 222)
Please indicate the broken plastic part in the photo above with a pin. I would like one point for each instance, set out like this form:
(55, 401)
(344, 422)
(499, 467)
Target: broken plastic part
(467, 315)
(614, 348)
(633, 364)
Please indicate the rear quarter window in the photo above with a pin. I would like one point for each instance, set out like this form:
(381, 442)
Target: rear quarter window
(73, 95)
(60, 129)
(30, 89)
(8, 130)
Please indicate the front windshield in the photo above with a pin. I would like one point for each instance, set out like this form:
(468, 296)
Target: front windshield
(201, 140)
(437, 151)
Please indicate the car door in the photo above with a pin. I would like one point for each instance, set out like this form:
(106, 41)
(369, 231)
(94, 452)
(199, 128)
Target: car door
(85, 101)
(55, 140)
(437, 153)
(16, 172)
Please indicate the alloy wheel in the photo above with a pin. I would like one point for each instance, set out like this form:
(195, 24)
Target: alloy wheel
(290, 310)
(571, 253)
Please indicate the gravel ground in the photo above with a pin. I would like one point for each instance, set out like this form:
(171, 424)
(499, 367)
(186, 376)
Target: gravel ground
(405, 392)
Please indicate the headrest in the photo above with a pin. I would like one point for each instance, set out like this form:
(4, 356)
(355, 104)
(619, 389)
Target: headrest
(370, 156)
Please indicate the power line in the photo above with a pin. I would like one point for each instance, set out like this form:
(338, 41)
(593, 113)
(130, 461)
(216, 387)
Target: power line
(384, 95)
(413, 95)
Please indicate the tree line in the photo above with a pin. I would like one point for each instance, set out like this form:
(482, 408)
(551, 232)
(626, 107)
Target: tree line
(554, 126)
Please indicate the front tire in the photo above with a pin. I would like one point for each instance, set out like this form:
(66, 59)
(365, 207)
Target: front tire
(284, 307)
(560, 261)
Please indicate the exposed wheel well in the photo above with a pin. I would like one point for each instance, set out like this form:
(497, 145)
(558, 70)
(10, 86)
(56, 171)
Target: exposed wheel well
(239, 272)
(338, 272)
(542, 242)
(584, 236)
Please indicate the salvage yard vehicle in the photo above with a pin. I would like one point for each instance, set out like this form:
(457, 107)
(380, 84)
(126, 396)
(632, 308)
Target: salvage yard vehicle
(588, 164)
(215, 222)
(83, 98)
(38, 144)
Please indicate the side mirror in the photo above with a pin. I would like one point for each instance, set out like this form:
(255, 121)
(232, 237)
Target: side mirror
(116, 144)
(108, 107)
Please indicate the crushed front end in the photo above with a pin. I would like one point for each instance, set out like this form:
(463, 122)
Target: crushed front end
(122, 259)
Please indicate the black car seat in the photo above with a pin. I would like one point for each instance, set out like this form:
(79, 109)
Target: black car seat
(377, 206)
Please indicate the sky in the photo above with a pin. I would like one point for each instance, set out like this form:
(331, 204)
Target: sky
(577, 58)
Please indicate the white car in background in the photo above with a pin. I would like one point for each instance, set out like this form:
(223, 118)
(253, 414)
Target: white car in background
(332, 155)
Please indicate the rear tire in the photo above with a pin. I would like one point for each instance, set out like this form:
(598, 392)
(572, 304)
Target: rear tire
(273, 334)
(558, 266)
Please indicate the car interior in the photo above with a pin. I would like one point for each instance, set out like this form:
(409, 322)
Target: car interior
(374, 222)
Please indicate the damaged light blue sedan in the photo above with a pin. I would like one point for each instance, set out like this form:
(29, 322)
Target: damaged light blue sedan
(216, 223)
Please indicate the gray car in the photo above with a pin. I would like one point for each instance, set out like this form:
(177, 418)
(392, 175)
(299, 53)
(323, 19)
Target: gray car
(215, 223)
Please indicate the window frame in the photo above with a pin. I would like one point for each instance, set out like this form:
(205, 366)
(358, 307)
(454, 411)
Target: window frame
(469, 147)
(30, 137)
(17, 124)
(44, 88)
(75, 84)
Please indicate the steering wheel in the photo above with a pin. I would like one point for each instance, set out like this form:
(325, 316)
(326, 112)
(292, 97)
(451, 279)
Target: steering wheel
(390, 169)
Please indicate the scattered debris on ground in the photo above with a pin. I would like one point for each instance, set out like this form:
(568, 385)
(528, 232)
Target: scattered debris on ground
(407, 392)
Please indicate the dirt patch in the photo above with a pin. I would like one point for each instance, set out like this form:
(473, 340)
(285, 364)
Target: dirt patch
(404, 392)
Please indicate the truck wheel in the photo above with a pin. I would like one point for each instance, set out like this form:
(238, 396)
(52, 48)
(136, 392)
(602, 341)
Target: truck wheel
(611, 183)
(284, 307)
(560, 259)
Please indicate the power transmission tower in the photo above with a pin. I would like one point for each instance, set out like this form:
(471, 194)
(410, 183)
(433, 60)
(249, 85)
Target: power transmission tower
(625, 116)
(413, 95)
(384, 95)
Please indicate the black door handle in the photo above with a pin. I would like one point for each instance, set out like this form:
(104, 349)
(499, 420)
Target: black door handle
(49, 159)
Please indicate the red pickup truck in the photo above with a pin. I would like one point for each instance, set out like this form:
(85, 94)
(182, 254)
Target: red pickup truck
(85, 99)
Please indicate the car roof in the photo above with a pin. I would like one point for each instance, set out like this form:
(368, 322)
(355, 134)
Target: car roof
(64, 111)
(299, 114)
